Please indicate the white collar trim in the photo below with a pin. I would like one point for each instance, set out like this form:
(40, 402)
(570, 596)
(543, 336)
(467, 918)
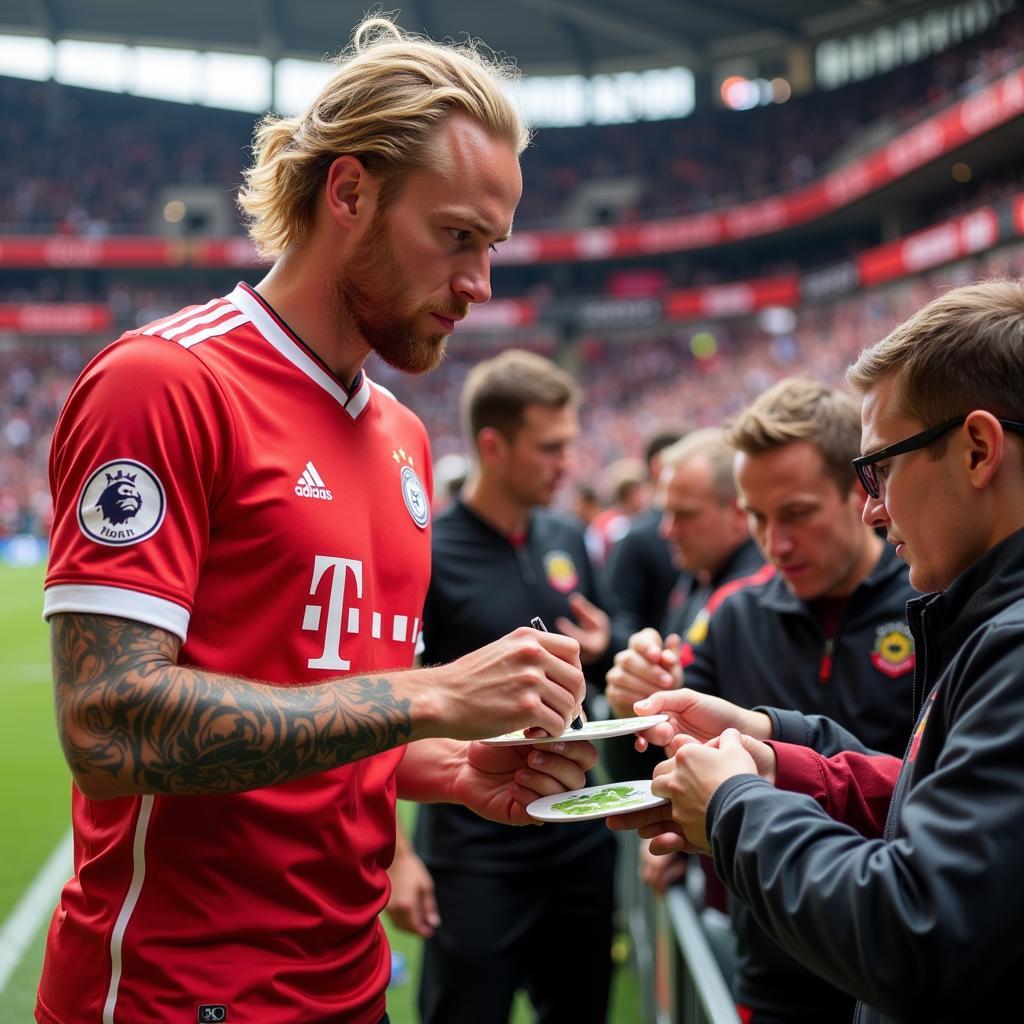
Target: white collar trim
(353, 403)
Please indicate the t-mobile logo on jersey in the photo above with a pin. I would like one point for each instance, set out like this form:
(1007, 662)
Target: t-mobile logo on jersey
(346, 584)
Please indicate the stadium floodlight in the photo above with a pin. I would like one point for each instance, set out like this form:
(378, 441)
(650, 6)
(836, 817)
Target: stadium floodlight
(236, 81)
(163, 73)
(26, 57)
(564, 101)
(298, 82)
(92, 65)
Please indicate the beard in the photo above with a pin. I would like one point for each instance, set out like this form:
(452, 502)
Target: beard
(369, 293)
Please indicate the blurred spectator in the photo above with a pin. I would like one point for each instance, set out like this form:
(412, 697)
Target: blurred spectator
(626, 491)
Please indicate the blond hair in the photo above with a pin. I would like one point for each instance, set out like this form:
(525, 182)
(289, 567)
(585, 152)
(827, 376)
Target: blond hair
(799, 409)
(962, 351)
(498, 391)
(385, 104)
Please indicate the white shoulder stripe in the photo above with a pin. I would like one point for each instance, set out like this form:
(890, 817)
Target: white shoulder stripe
(213, 332)
(208, 318)
(169, 321)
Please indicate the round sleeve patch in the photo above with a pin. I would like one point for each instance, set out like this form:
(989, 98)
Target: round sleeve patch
(122, 503)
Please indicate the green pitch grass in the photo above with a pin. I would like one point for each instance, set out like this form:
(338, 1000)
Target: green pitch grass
(35, 791)
(34, 780)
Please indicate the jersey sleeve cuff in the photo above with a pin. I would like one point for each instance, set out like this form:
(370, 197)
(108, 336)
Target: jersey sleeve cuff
(126, 604)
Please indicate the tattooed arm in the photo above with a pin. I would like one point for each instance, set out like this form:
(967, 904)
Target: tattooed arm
(131, 720)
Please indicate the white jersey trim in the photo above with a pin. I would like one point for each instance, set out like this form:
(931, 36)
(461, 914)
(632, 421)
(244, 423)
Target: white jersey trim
(128, 907)
(126, 604)
(269, 328)
(159, 326)
(224, 327)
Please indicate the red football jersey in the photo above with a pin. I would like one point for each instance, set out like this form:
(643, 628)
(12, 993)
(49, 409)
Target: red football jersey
(211, 477)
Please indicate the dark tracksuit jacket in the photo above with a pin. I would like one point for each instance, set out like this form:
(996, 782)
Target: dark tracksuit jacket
(640, 574)
(925, 923)
(687, 601)
(766, 646)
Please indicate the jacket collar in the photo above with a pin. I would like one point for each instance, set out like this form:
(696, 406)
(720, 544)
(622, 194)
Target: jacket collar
(980, 592)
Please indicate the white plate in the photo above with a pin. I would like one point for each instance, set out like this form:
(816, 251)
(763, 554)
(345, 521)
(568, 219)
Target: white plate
(591, 731)
(595, 802)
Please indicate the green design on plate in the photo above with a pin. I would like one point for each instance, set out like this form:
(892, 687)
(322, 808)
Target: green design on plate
(607, 799)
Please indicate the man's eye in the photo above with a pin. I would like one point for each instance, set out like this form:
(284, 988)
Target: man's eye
(459, 234)
(881, 470)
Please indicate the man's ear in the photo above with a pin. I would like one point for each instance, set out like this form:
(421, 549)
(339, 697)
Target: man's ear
(351, 191)
(490, 442)
(985, 447)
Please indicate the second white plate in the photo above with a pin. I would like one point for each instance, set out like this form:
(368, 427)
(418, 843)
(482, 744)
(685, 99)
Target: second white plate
(595, 802)
(591, 731)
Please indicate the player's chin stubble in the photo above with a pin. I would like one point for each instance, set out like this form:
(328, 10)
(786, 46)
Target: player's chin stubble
(365, 294)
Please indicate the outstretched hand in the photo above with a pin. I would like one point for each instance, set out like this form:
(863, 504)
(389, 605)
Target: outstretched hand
(688, 780)
(699, 715)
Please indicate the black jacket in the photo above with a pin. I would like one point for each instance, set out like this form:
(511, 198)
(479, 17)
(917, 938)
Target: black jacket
(641, 575)
(924, 924)
(766, 646)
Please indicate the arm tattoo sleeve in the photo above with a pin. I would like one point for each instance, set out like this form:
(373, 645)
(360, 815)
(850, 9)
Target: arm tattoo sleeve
(127, 710)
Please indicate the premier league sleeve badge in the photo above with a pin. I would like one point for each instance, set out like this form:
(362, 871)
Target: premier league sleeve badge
(123, 502)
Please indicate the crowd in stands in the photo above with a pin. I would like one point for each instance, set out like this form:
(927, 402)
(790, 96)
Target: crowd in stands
(93, 163)
(633, 387)
(137, 299)
(79, 161)
(35, 378)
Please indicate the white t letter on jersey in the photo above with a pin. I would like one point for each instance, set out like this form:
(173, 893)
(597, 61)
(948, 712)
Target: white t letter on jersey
(331, 657)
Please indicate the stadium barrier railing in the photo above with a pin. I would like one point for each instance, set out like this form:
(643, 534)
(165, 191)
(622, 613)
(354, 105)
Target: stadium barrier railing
(677, 951)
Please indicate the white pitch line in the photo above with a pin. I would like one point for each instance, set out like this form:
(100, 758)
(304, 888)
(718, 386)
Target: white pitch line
(34, 908)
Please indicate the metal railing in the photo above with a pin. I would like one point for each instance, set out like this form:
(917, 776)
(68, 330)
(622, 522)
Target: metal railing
(679, 975)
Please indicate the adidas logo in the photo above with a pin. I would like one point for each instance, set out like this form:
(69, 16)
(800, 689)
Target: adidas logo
(310, 485)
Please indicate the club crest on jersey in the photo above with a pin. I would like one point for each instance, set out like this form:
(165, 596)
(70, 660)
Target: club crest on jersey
(123, 502)
(893, 653)
(561, 572)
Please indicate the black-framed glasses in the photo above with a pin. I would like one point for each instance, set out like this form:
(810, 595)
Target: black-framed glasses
(865, 465)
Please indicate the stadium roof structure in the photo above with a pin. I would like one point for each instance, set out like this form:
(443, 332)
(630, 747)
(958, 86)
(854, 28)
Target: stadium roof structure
(544, 36)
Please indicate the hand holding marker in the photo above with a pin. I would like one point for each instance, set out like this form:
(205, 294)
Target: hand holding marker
(538, 623)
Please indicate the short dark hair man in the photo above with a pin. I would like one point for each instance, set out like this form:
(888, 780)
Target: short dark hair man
(506, 897)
